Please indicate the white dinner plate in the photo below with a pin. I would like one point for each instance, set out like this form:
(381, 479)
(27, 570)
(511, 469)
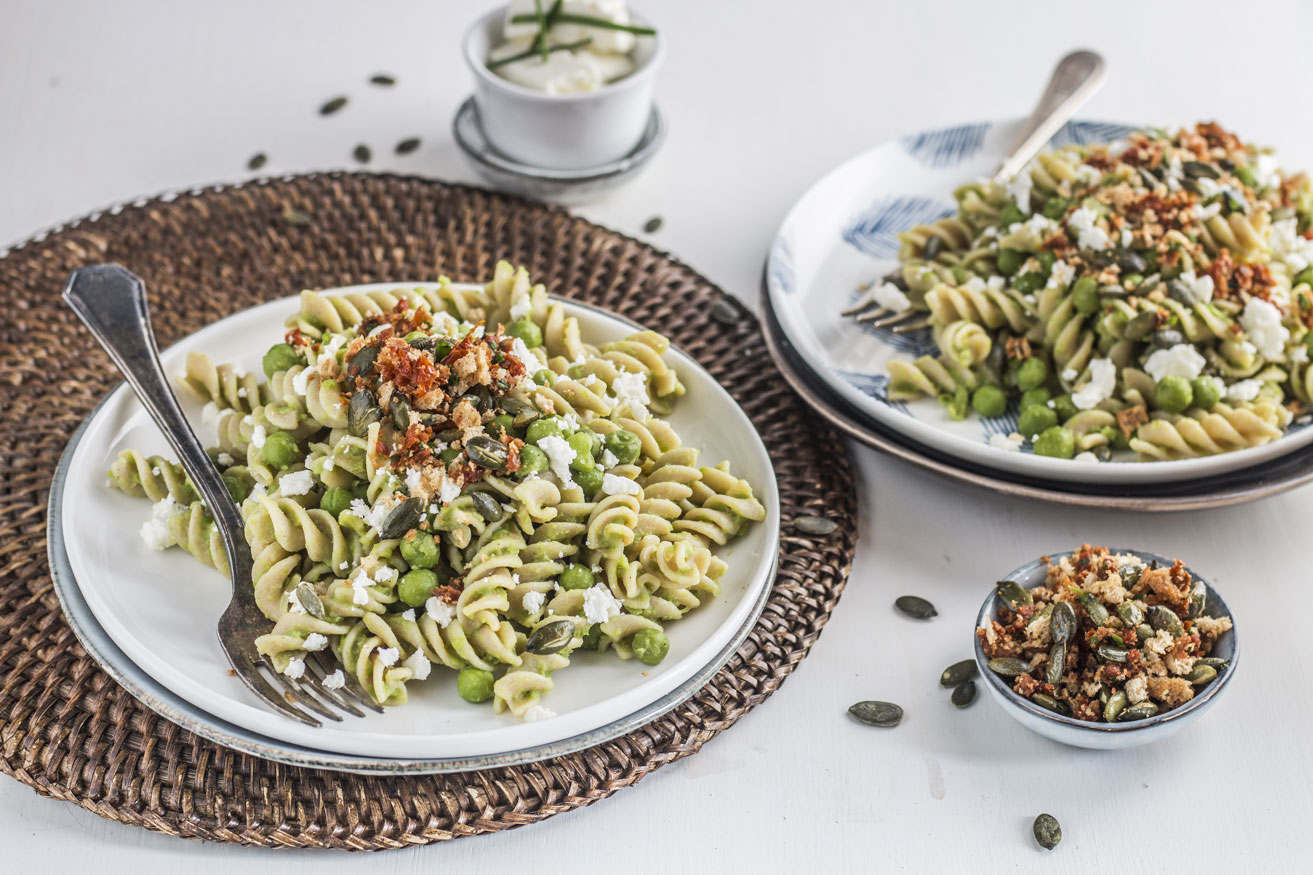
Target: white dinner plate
(841, 234)
(160, 609)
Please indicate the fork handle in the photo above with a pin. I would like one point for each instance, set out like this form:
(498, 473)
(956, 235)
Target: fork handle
(1074, 81)
(111, 301)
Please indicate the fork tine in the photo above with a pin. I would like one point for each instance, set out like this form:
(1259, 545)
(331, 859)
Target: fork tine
(909, 327)
(352, 687)
(295, 691)
(250, 674)
(865, 301)
(316, 665)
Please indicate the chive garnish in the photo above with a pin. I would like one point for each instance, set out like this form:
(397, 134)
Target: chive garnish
(540, 39)
(586, 21)
(533, 50)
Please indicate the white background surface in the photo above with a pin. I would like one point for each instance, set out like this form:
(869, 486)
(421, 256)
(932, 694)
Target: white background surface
(106, 101)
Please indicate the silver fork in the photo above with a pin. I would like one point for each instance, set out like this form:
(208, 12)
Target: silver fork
(1074, 81)
(111, 301)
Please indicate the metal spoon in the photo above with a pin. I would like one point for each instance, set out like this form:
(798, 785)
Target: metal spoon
(1074, 81)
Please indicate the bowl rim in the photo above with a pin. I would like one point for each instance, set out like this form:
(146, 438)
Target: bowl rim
(479, 66)
(1215, 601)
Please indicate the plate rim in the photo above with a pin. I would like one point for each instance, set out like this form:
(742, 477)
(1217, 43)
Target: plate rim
(171, 706)
(1123, 474)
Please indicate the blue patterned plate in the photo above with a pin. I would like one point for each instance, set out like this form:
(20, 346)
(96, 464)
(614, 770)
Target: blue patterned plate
(841, 235)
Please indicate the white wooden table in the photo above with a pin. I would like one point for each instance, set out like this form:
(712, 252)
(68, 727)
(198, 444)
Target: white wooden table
(102, 102)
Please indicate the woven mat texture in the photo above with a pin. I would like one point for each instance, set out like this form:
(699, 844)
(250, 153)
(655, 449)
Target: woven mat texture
(68, 731)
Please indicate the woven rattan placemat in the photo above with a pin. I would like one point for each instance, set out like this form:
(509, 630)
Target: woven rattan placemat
(71, 733)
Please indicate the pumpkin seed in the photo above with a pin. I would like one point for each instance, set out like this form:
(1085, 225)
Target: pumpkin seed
(1008, 667)
(1216, 662)
(725, 313)
(1130, 613)
(383, 79)
(877, 713)
(815, 525)
(1149, 180)
(487, 452)
(1198, 599)
(1162, 617)
(1116, 703)
(309, 599)
(1057, 664)
(487, 506)
(1062, 622)
(1142, 325)
(1111, 652)
(1200, 170)
(1166, 338)
(549, 637)
(402, 518)
(362, 362)
(362, 154)
(257, 161)
(652, 225)
(293, 216)
(958, 673)
(1130, 262)
(1102, 453)
(1143, 632)
(361, 412)
(1180, 292)
(932, 248)
(915, 606)
(1141, 711)
(1013, 594)
(1099, 615)
(1047, 702)
(400, 414)
(332, 106)
(1201, 674)
(1112, 290)
(405, 147)
(1047, 830)
(964, 694)
(1130, 575)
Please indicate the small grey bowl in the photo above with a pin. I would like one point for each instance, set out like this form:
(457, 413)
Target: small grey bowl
(1106, 736)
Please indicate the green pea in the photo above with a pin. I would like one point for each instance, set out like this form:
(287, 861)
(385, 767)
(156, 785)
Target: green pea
(960, 274)
(1303, 278)
(414, 336)
(576, 576)
(582, 444)
(989, 401)
(592, 638)
(528, 331)
(626, 446)
(1173, 394)
(650, 646)
(237, 487)
(1031, 397)
(1046, 260)
(1085, 295)
(419, 549)
(417, 584)
(474, 684)
(1028, 282)
(1064, 407)
(1116, 439)
(532, 461)
(450, 454)
(1009, 261)
(1036, 419)
(1031, 373)
(547, 426)
(589, 481)
(1245, 175)
(1010, 215)
(1057, 442)
(280, 357)
(280, 450)
(1055, 207)
(1206, 390)
(544, 377)
(335, 501)
(504, 421)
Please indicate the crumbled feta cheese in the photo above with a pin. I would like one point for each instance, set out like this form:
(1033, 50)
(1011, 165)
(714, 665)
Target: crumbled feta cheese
(439, 611)
(1101, 385)
(631, 389)
(1069, 374)
(448, 491)
(373, 517)
(258, 490)
(335, 681)
(609, 459)
(241, 392)
(1040, 226)
(1207, 187)
(413, 478)
(419, 665)
(1198, 288)
(360, 587)
(210, 412)
(1008, 442)
(1086, 456)
(559, 456)
(293, 603)
(328, 352)
(599, 604)
(1088, 234)
(521, 351)
(975, 284)
(1204, 212)
(258, 437)
(538, 712)
(388, 655)
(301, 382)
(1018, 187)
(155, 531)
(1262, 324)
(314, 641)
(996, 282)
(1245, 390)
(1299, 354)
(408, 614)
(1088, 175)
(296, 483)
(613, 485)
(1127, 238)
(889, 296)
(225, 459)
(520, 309)
(1061, 275)
(385, 573)
(533, 602)
(295, 667)
(1182, 360)
(1265, 172)
(1289, 245)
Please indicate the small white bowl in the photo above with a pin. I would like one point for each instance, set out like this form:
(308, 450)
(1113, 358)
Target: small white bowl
(1106, 736)
(561, 131)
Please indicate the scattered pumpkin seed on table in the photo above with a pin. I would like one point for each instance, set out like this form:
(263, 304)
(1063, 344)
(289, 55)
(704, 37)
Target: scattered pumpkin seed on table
(405, 147)
(257, 161)
(293, 216)
(653, 224)
(874, 713)
(964, 694)
(959, 673)
(332, 106)
(362, 154)
(725, 313)
(815, 525)
(383, 79)
(916, 607)
(1047, 831)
